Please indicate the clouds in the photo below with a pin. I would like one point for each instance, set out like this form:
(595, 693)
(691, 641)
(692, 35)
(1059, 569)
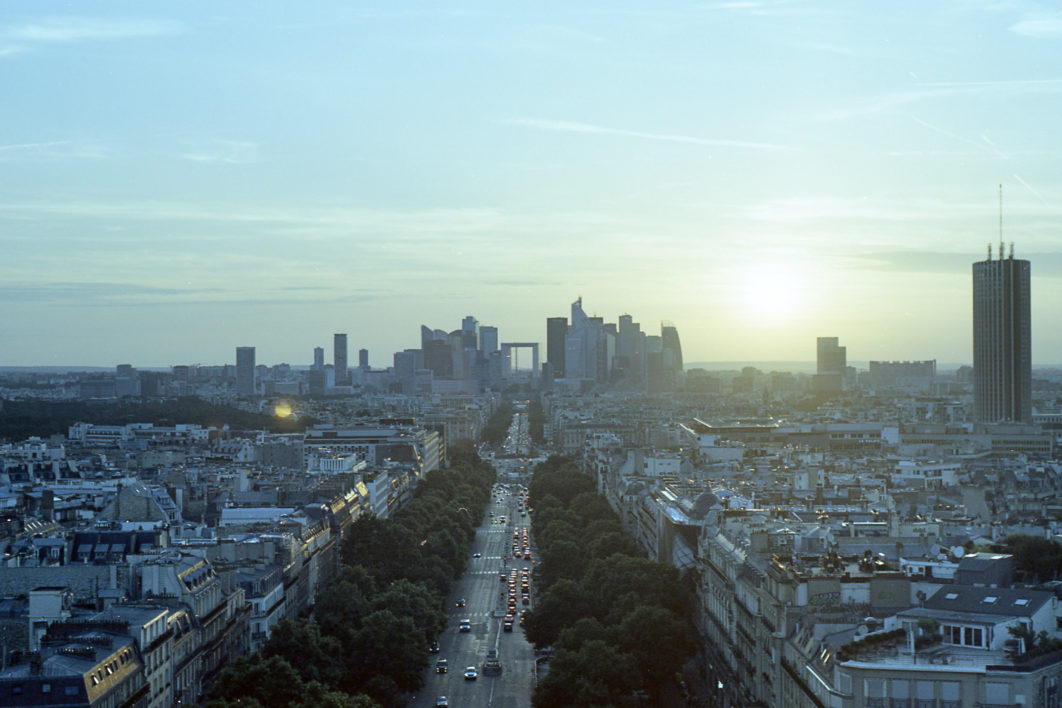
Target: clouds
(231, 152)
(81, 293)
(51, 150)
(1042, 27)
(922, 92)
(59, 30)
(566, 126)
(1044, 265)
(18, 39)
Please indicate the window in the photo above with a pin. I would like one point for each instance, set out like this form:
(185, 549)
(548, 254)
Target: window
(951, 596)
(997, 693)
(901, 694)
(46, 688)
(925, 695)
(990, 599)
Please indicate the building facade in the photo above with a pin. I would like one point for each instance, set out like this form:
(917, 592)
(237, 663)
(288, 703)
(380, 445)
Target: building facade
(1002, 350)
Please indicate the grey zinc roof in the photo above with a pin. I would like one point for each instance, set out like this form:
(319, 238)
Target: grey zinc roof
(981, 561)
(1011, 602)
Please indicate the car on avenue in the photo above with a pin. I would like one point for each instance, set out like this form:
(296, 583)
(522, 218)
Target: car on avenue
(471, 674)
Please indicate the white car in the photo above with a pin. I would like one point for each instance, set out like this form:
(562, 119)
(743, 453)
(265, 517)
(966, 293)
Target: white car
(471, 673)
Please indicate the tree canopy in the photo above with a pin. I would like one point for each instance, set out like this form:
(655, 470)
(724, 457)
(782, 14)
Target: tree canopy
(365, 646)
(618, 622)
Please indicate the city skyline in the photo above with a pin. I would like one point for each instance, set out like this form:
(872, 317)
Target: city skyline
(179, 181)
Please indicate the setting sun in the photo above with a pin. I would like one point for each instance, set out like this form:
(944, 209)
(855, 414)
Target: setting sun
(770, 291)
(283, 409)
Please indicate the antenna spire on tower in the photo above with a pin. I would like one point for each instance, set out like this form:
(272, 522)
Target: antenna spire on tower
(1001, 222)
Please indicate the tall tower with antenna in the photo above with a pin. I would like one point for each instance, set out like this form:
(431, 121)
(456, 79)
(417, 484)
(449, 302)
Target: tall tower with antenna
(1002, 341)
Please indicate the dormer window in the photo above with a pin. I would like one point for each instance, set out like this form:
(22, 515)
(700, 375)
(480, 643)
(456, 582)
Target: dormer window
(990, 599)
(951, 596)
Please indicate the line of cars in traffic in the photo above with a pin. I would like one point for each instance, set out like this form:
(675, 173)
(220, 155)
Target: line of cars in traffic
(518, 579)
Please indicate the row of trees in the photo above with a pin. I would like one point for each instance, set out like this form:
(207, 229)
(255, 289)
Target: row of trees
(366, 644)
(619, 623)
(536, 422)
(497, 426)
(24, 418)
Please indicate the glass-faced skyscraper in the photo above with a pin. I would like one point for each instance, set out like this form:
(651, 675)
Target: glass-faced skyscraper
(1002, 350)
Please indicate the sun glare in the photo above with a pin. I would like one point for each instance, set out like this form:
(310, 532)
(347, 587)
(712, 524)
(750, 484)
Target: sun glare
(283, 409)
(771, 292)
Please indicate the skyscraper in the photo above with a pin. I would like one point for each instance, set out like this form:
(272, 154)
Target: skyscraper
(318, 358)
(469, 332)
(339, 359)
(1002, 349)
(245, 374)
(831, 358)
(556, 330)
(581, 346)
(363, 358)
(672, 348)
(488, 340)
(830, 362)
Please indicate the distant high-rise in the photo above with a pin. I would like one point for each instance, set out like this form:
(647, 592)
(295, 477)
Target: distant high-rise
(556, 331)
(438, 356)
(363, 358)
(318, 359)
(488, 340)
(581, 346)
(339, 360)
(830, 362)
(831, 357)
(245, 373)
(469, 332)
(1002, 349)
(672, 348)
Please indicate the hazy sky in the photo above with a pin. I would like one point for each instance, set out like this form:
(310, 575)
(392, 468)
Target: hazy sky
(177, 179)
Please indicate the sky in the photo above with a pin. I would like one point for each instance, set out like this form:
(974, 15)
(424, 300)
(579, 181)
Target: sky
(178, 179)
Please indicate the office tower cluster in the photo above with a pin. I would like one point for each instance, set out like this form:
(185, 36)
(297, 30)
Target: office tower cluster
(460, 361)
(1002, 339)
(587, 350)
